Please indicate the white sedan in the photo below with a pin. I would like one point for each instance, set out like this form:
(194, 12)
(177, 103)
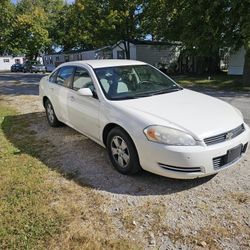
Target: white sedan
(144, 119)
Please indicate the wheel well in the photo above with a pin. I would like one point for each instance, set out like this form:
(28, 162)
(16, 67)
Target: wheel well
(106, 131)
(108, 128)
(45, 98)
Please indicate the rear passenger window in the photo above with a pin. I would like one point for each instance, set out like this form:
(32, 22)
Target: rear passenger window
(65, 75)
(82, 79)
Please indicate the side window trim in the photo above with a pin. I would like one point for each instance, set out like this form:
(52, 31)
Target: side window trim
(55, 76)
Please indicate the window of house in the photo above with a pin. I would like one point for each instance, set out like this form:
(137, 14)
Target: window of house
(57, 58)
(120, 54)
(50, 60)
(66, 58)
(6, 60)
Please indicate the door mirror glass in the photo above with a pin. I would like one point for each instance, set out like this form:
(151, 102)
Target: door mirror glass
(85, 92)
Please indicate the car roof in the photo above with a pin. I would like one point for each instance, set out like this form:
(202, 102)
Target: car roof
(103, 63)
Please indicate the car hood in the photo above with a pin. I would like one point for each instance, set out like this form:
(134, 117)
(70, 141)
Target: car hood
(198, 114)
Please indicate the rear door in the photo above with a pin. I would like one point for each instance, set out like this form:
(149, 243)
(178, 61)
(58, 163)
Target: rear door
(83, 111)
(59, 86)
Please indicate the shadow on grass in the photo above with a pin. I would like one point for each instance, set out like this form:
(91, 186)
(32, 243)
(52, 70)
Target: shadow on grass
(81, 160)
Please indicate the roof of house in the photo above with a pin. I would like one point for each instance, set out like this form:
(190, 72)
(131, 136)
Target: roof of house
(68, 52)
(148, 42)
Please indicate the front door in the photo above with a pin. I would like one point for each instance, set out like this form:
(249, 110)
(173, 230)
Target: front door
(83, 111)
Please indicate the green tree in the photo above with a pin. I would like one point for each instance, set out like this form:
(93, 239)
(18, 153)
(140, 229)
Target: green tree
(31, 34)
(202, 26)
(125, 18)
(50, 11)
(6, 17)
(89, 24)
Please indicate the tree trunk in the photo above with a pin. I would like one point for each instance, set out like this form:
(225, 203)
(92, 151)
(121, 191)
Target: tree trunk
(246, 72)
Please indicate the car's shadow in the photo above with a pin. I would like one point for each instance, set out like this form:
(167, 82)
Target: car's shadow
(80, 159)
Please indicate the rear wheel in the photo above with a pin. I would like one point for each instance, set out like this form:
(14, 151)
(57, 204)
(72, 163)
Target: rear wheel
(122, 152)
(51, 116)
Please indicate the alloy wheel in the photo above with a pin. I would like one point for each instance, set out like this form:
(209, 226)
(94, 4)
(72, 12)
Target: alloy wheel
(120, 151)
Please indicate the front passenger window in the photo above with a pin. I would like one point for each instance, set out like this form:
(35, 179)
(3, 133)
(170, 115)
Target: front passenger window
(82, 79)
(64, 76)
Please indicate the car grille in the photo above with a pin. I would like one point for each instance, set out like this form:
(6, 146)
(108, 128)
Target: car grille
(221, 161)
(225, 136)
(181, 169)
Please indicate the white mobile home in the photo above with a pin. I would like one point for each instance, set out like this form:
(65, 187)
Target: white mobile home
(151, 52)
(53, 60)
(236, 62)
(7, 61)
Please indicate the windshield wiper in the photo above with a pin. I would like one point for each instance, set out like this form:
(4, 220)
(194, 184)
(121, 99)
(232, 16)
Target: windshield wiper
(159, 92)
(169, 90)
(118, 98)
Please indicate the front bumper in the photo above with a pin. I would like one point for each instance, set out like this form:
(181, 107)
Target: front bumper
(187, 162)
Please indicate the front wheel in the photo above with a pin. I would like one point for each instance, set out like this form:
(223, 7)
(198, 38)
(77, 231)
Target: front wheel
(122, 152)
(51, 116)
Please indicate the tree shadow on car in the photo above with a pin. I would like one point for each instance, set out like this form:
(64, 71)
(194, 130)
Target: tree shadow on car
(79, 159)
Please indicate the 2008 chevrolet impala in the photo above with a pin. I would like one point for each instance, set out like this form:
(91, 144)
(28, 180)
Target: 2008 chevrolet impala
(144, 119)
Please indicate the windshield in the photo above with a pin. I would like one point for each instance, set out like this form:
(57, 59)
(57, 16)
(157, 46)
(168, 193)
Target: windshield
(128, 82)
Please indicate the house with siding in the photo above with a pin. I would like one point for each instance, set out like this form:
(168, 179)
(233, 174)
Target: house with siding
(151, 52)
(51, 61)
(7, 61)
(237, 62)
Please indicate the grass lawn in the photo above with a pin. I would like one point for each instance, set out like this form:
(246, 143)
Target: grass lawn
(25, 217)
(220, 81)
(39, 207)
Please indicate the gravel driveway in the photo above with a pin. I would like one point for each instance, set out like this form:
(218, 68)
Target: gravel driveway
(157, 212)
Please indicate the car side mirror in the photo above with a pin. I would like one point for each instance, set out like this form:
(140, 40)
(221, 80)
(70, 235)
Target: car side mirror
(85, 92)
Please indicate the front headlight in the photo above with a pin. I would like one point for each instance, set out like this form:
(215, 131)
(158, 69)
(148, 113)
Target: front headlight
(169, 136)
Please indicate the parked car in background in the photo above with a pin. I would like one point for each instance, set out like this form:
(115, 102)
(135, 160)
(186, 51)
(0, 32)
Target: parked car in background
(17, 67)
(33, 67)
(145, 119)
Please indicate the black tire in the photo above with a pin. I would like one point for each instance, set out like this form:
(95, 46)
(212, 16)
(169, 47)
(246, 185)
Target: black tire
(51, 116)
(132, 166)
